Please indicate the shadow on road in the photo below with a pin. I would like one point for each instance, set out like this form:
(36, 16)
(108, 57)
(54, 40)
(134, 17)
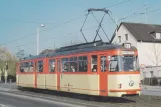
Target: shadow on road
(80, 96)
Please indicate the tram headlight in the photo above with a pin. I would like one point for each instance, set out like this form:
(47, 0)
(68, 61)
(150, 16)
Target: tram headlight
(120, 86)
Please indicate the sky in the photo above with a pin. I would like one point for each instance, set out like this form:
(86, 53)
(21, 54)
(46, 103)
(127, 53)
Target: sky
(63, 19)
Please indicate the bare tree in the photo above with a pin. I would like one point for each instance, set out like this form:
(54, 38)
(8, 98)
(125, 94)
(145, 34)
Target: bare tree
(6, 56)
(156, 54)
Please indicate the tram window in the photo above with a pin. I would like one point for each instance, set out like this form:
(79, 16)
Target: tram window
(30, 66)
(137, 63)
(103, 63)
(94, 63)
(21, 67)
(129, 63)
(40, 66)
(73, 64)
(65, 65)
(73, 59)
(82, 64)
(51, 65)
(26, 66)
(115, 63)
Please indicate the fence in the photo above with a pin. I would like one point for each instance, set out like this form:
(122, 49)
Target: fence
(151, 75)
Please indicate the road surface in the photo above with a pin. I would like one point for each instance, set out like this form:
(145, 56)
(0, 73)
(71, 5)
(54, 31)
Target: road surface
(11, 100)
(150, 97)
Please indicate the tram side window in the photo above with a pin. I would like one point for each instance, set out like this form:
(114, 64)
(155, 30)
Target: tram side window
(30, 67)
(40, 66)
(26, 66)
(65, 64)
(51, 65)
(21, 67)
(114, 65)
(73, 64)
(82, 64)
(94, 63)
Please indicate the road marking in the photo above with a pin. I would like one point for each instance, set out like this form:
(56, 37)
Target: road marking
(40, 99)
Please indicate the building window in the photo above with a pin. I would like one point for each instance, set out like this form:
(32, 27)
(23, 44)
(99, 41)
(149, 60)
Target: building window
(158, 35)
(126, 37)
(119, 37)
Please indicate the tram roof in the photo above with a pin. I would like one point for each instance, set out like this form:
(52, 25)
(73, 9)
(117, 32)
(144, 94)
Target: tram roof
(78, 50)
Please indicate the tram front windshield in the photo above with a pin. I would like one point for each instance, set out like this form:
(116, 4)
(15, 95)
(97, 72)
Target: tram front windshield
(123, 63)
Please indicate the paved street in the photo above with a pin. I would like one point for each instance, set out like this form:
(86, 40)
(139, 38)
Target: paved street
(17, 99)
(146, 90)
(11, 100)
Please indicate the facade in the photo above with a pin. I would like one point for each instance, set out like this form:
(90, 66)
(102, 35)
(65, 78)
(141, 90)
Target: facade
(145, 37)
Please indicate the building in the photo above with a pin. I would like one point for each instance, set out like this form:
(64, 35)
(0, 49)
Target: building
(145, 37)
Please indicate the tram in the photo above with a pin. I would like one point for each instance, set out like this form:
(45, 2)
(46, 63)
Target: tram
(94, 68)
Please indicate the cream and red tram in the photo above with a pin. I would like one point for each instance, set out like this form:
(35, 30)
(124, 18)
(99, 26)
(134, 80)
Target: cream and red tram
(101, 70)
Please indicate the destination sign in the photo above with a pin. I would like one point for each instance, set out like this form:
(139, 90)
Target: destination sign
(127, 52)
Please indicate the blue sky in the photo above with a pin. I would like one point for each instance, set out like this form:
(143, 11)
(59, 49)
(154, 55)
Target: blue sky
(21, 18)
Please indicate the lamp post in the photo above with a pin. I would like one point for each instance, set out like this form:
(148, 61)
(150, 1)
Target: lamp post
(37, 38)
(6, 72)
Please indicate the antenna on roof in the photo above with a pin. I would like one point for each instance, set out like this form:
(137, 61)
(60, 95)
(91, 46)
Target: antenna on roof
(100, 26)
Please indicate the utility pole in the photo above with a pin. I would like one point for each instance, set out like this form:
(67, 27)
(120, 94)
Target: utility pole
(54, 45)
(6, 72)
(37, 39)
(145, 19)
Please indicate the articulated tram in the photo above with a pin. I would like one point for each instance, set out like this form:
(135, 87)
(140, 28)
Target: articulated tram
(98, 69)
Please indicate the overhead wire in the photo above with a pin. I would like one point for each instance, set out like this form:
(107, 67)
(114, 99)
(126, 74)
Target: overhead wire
(138, 14)
(54, 37)
(118, 3)
(62, 23)
(59, 25)
(43, 30)
(25, 21)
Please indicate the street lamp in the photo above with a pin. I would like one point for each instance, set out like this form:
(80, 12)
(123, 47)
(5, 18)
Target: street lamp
(37, 38)
(6, 72)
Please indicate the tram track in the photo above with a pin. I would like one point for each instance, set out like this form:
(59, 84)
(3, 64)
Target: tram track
(93, 101)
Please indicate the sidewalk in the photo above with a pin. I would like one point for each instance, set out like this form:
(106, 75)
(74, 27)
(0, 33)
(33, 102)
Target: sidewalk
(151, 90)
(8, 87)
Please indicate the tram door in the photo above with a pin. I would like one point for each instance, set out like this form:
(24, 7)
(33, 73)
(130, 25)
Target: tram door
(40, 74)
(103, 75)
(58, 73)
